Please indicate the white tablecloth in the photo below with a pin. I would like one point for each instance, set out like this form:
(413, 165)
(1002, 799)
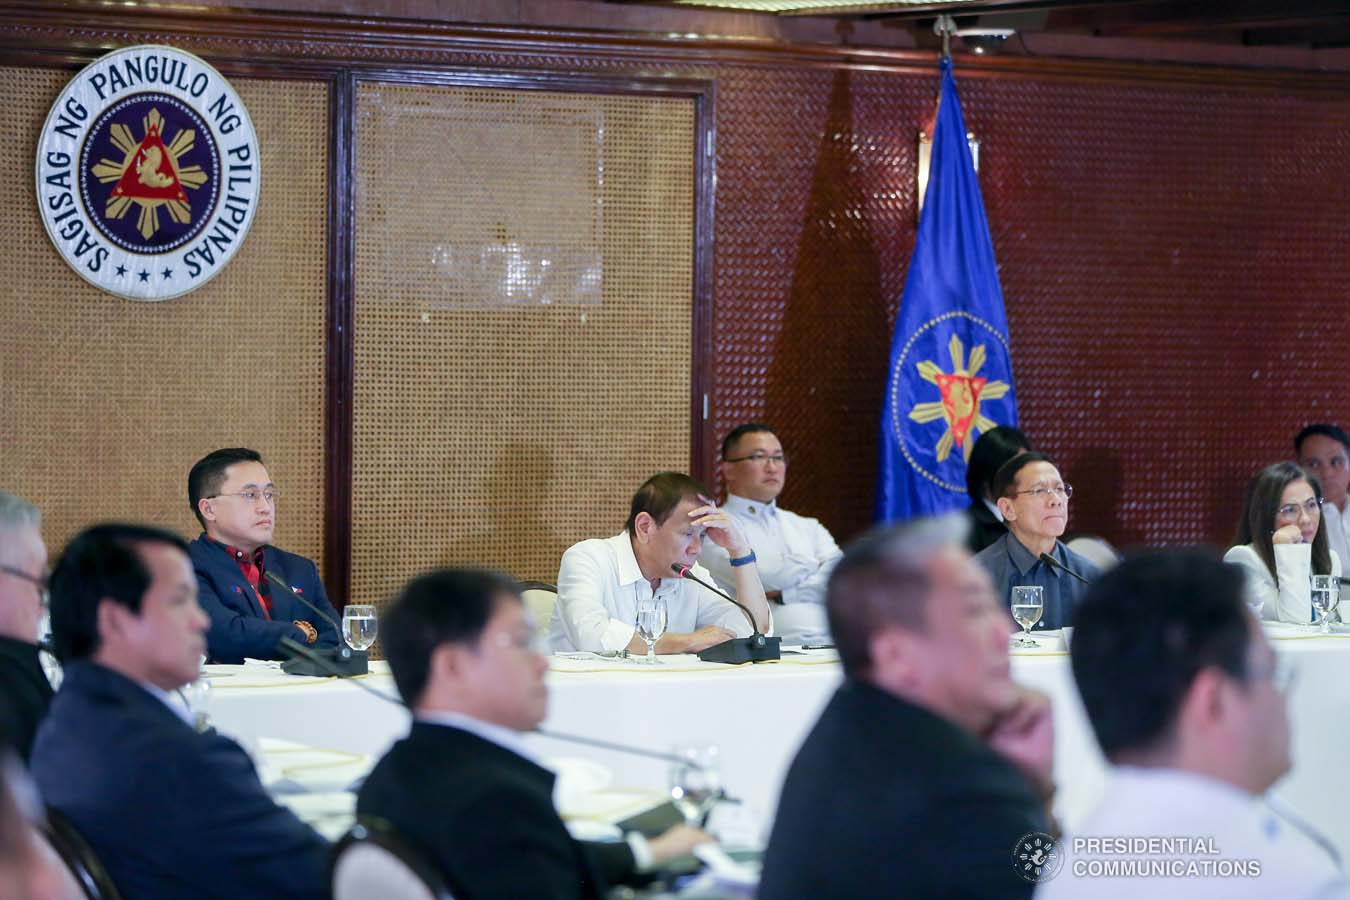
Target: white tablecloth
(758, 716)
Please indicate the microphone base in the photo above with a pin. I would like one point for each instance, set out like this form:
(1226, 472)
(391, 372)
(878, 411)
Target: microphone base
(342, 662)
(743, 650)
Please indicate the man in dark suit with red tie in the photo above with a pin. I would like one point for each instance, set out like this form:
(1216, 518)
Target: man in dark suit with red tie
(236, 502)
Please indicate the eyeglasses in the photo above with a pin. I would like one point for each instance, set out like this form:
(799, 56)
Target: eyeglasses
(251, 496)
(1041, 492)
(531, 642)
(1312, 506)
(37, 581)
(760, 459)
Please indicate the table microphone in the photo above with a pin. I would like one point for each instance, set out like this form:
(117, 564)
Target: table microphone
(1056, 564)
(618, 748)
(345, 661)
(756, 648)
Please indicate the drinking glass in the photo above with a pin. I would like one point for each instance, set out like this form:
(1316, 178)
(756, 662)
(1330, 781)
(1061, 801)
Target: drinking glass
(359, 625)
(197, 696)
(1326, 593)
(695, 782)
(1028, 602)
(651, 624)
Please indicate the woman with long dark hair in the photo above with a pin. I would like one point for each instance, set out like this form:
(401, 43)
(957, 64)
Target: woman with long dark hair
(1281, 542)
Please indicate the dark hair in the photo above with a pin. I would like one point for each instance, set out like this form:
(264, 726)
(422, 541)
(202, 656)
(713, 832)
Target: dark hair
(660, 494)
(994, 448)
(99, 563)
(447, 606)
(208, 474)
(1004, 483)
(883, 580)
(1259, 505)
(1145, 630)
(1335, 432)
(741, 431)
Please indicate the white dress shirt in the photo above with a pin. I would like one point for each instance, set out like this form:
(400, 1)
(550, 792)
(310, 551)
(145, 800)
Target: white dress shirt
(794, 554)
(1333, 521)
(1229, 824)
(506, 738)
(1291, 601)
(599, 585)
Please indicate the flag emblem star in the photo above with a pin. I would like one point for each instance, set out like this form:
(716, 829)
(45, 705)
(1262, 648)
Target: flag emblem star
(148, 176)
(961, 391)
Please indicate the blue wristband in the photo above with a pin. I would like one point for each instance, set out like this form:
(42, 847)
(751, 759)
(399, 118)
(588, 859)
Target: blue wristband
(744, 560)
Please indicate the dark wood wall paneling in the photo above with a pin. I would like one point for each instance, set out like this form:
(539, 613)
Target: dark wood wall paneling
(1167, 237)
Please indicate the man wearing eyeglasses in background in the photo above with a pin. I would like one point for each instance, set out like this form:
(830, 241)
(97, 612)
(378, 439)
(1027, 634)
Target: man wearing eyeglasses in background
(795, 553)
(1034, 501)
(233, 497)
(25, 692)
(1324, 451)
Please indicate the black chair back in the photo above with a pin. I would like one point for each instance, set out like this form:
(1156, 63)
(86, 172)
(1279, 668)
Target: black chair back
(373, 862)
(79, 858)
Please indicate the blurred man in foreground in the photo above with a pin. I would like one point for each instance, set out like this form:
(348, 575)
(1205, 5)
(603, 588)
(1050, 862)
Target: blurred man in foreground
(929, 765)
(463, 785)
(24, 689)
(171, 813)
(1187, 702)
(29, 867)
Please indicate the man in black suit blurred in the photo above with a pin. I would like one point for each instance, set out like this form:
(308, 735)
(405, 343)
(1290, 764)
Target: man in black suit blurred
(929, 765)
(170, 812)
(463, 787)
(24, 689)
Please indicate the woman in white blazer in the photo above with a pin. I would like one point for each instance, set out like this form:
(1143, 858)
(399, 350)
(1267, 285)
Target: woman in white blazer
(1281, 542)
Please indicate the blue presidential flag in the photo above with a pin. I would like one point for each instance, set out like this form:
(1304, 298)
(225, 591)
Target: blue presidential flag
(950, 375)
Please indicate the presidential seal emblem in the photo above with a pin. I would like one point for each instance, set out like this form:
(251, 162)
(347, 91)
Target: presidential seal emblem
(147, 173)
(965, 401)
(1037, 856)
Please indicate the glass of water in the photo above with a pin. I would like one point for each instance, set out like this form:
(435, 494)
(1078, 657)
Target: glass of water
(1028, 602)
(695, 782)
(651, 624)
(197, 696)
(359, 625)
(1326, 593)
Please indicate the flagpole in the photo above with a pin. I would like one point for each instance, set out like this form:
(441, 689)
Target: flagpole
(945, 27)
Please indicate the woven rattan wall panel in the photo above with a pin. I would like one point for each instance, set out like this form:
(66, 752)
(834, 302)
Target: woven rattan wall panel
(1168, 254)
(105, 403)
(1175, 286)
(501, 416)
(814, 226)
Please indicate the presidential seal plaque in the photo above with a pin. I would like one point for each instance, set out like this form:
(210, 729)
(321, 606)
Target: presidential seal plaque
(147, 173)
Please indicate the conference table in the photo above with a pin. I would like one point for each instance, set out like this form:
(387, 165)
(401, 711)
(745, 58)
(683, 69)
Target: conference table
(757, 716)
